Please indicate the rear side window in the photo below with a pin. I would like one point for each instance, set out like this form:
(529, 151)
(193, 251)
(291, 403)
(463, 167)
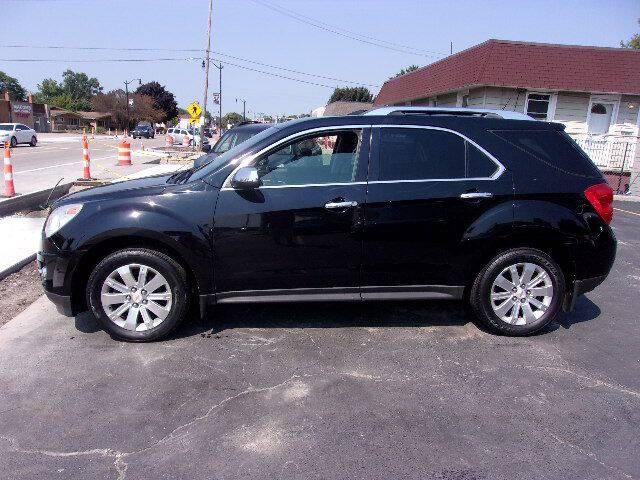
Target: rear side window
(554, 148)
(429, 154)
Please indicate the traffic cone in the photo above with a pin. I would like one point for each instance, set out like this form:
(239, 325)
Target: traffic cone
(86, 161)
(9, 189)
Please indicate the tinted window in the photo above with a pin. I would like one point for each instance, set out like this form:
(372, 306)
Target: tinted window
(553, 148)
(478, 164)
(420, 154)
(319, 159)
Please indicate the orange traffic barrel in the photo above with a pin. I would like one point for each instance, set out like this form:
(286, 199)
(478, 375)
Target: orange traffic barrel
(124, 153)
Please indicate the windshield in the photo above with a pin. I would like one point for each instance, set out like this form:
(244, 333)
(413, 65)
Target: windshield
(235, 152)
(6, 126)
(231, 139)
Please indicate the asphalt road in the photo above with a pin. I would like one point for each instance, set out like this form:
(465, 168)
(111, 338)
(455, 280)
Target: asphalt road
(60, 156)
(331, 391)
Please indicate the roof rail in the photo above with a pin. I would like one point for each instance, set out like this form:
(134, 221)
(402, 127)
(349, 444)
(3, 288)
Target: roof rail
(462, 112)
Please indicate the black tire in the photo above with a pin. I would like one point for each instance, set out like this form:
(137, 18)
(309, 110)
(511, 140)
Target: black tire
(479, 297)
(34, 141)
(173, 272)
(14, 142)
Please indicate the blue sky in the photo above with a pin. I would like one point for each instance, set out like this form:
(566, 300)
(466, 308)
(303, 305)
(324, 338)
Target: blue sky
(244, 28)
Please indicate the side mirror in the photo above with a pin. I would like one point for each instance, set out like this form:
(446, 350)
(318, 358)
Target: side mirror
(206, 148)
(246, 178)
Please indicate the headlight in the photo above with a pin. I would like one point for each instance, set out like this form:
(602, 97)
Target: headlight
(60, 217)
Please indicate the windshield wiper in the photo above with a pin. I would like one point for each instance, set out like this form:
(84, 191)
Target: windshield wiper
(180, 175)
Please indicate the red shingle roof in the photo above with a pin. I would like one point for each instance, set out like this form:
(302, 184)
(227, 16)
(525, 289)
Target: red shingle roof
(506, 63)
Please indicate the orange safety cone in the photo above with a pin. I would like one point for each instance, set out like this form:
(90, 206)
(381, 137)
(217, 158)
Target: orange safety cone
(142, 146)
(169, 141)
(9, 189)
(86, 161)
(124, 153)
(185, 141)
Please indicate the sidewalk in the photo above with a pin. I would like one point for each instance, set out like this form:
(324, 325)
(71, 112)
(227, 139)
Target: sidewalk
(20, 242)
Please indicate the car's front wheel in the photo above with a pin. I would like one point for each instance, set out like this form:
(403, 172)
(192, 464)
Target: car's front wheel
(34, 141)
(14, 142)
(518, 292)
(138, 295)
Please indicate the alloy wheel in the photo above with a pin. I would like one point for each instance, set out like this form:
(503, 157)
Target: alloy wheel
(136, 297)
(521, 293)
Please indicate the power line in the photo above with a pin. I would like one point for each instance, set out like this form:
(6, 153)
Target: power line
(57, 47)
(400, 45)
(226, 62)
(352, 36)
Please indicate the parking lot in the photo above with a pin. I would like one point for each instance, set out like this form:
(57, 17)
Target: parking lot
(381, 390)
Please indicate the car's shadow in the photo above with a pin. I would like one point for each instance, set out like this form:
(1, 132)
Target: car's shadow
(339, 315)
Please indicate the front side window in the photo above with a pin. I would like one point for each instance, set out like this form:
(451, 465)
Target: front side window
(538, 105)
(430, 154)
(324, 158)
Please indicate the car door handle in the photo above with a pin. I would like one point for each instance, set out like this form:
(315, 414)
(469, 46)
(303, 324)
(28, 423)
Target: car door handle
(476, 195)
(340, 205)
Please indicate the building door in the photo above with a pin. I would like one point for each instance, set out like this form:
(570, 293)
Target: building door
(600, 118)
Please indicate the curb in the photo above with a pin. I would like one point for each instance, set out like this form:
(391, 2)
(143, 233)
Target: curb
(17, 266)
(32, 200)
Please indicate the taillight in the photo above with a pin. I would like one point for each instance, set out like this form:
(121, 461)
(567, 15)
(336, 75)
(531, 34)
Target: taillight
(600, 196)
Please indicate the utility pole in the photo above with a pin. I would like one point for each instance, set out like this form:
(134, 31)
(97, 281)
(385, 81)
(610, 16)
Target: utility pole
(244, 108)
(206, 77)
(451, 47)
(126, 90)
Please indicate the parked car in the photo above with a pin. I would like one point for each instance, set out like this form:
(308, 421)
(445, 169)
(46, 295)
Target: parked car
(232, 137)
(16, 133)
(178, 134)
(143, 130)
(490, 207)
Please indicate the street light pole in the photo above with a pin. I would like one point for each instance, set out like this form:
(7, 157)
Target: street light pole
(126, 89)
(206, 76)
(244, 108)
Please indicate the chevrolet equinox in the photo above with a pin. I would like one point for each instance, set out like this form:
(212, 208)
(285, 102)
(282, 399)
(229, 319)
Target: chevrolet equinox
(494, 208)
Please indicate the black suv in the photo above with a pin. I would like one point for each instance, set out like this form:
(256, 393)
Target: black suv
(143, 130)
(494, 208)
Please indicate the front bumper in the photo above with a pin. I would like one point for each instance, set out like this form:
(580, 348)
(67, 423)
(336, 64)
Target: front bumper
(55, 276)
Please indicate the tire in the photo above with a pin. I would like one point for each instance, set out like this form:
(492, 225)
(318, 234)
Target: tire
(14, 142)
(172, 296)
(494, 305)
(34, 141)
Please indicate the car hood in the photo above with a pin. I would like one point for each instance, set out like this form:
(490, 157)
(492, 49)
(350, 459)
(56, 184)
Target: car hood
(130, 188)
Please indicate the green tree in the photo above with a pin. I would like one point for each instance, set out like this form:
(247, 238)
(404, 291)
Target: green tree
(403, 71)
(75, 92)
(634, 42)
(351, 94)
(164, 100)
(11, 85)
(231, 118)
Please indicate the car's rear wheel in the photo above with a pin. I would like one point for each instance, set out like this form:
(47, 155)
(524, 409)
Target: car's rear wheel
(138, 294)
(34, 141)
(519, 292)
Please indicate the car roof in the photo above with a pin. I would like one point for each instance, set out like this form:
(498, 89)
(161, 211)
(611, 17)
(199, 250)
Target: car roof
(471, 112)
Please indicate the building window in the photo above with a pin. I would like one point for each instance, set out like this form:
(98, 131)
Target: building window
(538, 105)
(465, 101)
(74, 122)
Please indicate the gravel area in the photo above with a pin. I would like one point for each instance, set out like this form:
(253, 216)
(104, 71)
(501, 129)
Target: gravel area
(18, 291)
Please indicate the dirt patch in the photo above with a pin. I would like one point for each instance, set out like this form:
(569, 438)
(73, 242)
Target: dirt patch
(18, 291)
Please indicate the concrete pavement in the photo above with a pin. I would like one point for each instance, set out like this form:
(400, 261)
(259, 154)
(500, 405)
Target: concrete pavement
(331, 391)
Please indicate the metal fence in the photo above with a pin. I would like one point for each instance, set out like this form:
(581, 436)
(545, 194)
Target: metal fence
(609, 152)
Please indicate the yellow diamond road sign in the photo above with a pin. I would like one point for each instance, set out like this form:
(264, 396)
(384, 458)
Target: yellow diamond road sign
(194, 110)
